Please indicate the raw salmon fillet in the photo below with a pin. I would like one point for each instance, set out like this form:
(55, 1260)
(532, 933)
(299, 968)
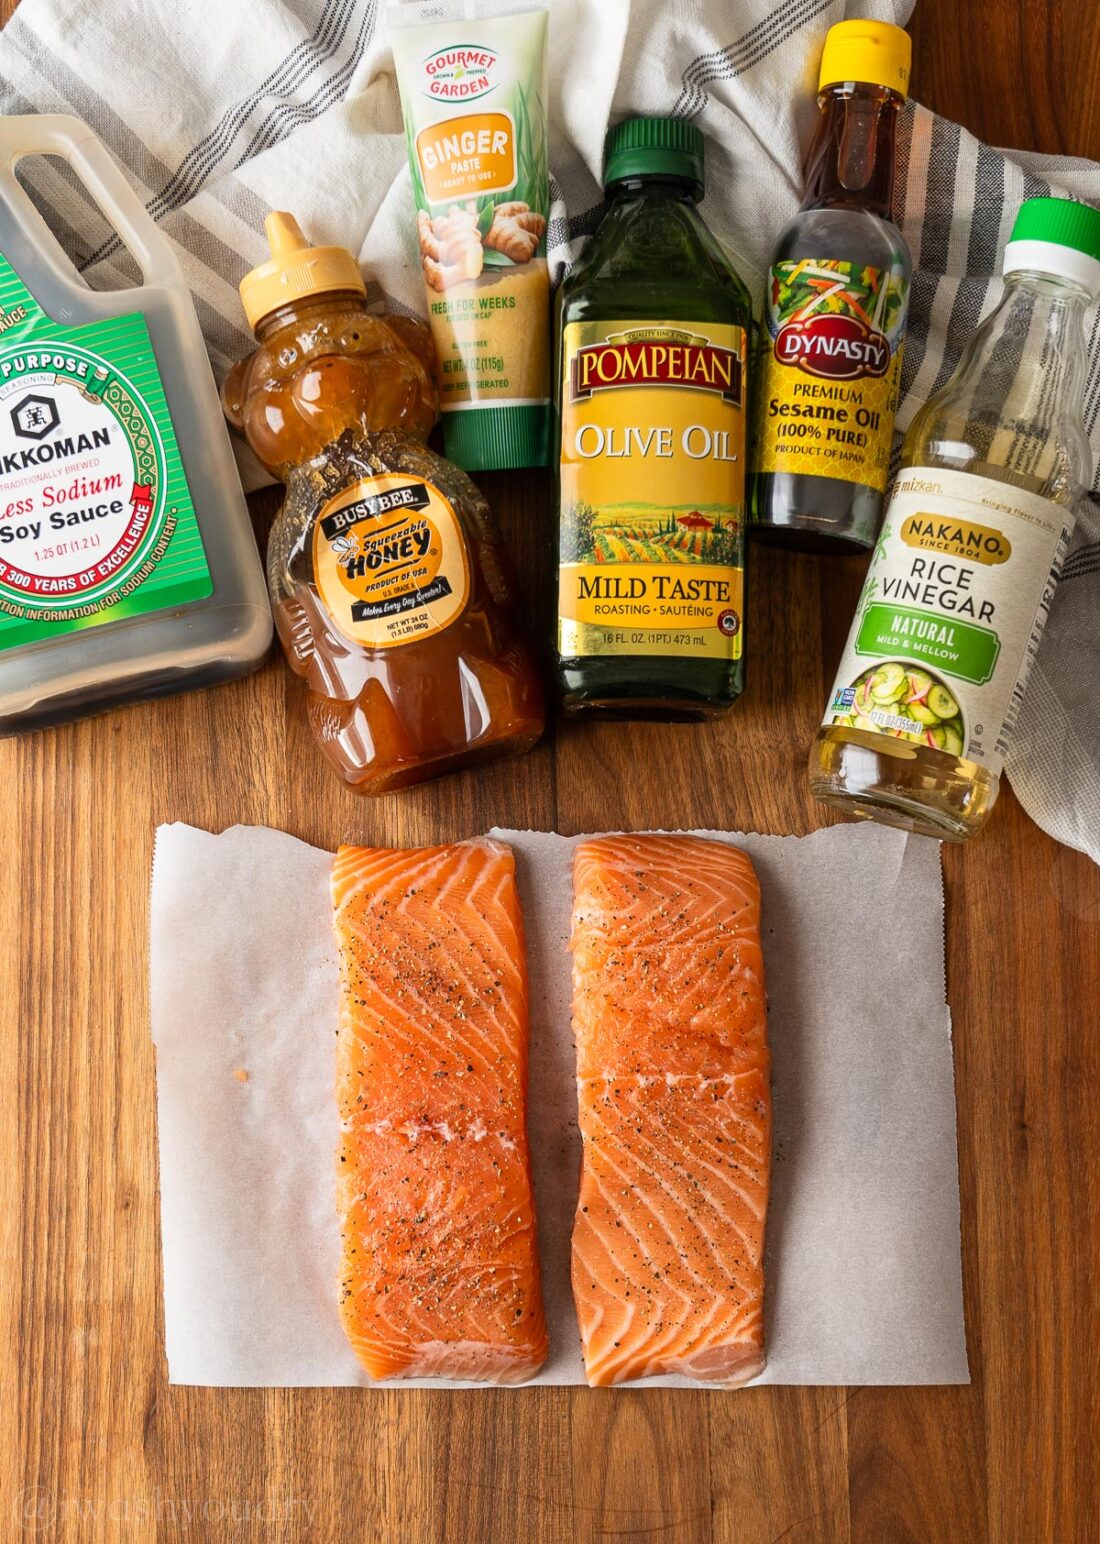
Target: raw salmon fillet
(439, 1271)
(673, 1077)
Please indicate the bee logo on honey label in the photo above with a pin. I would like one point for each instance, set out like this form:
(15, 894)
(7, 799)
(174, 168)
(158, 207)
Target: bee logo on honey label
(390, 561)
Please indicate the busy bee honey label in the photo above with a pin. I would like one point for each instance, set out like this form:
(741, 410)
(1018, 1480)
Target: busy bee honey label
(389, 560)
(652, 490)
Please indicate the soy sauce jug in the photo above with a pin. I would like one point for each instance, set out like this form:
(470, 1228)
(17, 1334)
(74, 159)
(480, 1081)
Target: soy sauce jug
(128, 567)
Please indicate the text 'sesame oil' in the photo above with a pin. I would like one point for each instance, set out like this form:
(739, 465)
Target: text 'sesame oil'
(835, 311)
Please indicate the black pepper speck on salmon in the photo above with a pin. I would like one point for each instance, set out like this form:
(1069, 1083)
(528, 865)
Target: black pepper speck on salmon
(439, 1273)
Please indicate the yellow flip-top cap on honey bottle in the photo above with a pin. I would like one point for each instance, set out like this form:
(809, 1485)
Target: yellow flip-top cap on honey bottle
(295, 269)
(874, 52)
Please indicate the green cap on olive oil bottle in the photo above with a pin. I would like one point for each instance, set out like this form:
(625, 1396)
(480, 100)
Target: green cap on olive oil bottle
(654, 147)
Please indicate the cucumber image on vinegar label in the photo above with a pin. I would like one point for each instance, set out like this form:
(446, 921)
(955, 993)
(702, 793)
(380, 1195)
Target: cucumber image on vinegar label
(910, 704)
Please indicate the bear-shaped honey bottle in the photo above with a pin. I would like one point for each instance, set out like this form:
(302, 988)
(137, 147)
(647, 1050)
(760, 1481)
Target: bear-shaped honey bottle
(392, 591)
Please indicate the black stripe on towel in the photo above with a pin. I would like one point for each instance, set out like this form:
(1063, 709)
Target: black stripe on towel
(279, 118)
(939, 196)
(749, 49)
(304, 59)
(988, 206)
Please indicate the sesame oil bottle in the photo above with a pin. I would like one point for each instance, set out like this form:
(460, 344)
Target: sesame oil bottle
(835, 311)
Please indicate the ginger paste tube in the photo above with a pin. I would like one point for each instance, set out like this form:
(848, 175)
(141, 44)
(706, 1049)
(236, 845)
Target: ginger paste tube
(473, 96)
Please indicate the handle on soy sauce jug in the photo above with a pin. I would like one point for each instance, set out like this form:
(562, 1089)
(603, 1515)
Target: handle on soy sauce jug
(62, 135)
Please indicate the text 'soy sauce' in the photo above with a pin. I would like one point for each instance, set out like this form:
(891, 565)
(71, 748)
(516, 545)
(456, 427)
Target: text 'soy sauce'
(392, 590)
(128, 568)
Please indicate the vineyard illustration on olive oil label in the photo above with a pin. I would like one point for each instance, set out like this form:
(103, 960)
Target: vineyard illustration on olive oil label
(626, 533)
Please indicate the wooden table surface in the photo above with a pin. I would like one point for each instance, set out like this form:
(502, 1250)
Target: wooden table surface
(93, 1441)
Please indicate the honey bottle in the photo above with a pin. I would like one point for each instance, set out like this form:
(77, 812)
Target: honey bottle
(392, 591)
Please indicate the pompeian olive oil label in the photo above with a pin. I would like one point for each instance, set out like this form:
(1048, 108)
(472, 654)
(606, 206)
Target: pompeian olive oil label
(952, 611)
(652, 489)
(389, 560)
(96, 520)
(831, 370)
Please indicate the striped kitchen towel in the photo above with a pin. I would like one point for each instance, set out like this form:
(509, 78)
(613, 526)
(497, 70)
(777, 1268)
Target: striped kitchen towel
(218, 112)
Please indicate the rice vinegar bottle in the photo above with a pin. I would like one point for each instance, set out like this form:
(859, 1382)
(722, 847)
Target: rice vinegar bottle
(960, 584)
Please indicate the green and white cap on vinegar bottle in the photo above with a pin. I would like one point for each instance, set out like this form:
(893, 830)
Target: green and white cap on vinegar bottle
(1059, 237)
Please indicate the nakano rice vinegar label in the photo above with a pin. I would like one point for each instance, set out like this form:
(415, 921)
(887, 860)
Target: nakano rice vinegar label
(953, 607)
(652, 489)
(831, 370)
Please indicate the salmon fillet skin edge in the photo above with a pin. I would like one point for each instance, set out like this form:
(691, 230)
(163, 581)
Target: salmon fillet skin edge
(673, 1082)
(439, 1272)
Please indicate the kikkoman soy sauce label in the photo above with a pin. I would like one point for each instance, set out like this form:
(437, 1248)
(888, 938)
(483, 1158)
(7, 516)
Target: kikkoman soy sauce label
(652, 489)
(952, 611)
(831, 370)
(96, 520)
(389, 561)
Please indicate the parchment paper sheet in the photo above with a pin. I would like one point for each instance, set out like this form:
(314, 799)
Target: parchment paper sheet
(863, 1268)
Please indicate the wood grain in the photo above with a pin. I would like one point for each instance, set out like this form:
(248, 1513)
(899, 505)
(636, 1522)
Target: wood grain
(93, 1441)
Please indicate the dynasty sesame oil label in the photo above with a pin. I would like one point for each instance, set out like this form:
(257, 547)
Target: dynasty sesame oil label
(96, 519)
(652, 489)
(831, 370)
(390, 561)
(951, 615)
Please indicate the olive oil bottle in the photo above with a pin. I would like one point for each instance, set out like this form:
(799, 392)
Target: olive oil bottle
(650, 389)
(958, 591)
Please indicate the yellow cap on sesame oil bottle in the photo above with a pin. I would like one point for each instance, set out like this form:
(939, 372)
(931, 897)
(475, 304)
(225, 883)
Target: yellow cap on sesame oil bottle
(874, 52)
